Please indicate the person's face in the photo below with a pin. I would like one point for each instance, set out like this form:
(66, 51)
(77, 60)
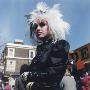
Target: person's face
(41, 28)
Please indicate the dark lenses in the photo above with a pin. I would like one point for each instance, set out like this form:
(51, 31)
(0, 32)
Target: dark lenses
(34, 26)
(42, 24)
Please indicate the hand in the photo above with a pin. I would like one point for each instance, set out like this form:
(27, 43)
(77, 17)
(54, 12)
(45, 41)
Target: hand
(24, 76)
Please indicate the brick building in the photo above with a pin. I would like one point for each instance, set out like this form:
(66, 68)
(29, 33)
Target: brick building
(81, 56)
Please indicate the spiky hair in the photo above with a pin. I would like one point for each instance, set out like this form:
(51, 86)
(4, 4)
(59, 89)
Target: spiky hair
(54, 18)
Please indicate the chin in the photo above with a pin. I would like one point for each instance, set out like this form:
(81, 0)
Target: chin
(40, 38)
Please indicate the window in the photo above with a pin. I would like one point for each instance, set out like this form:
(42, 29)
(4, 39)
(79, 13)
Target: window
(84, 53)
(11, 52)
(31, 54)
(76, 56)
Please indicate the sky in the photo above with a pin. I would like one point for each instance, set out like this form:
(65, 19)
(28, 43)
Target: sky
(13, 23)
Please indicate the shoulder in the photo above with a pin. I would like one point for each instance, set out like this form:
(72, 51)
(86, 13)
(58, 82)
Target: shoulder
(62, 44)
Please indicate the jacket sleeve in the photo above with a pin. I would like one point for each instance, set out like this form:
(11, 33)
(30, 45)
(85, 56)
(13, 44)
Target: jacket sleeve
(56, 66)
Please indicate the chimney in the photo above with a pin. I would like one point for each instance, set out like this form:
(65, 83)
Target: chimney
(18, 41)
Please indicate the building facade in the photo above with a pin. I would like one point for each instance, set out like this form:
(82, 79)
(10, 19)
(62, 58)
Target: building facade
(81, 56)
(16, 54)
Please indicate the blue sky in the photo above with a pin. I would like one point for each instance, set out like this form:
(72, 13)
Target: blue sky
(13, 22)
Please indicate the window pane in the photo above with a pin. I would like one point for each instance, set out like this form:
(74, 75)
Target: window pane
(84, 53)
(31, 55)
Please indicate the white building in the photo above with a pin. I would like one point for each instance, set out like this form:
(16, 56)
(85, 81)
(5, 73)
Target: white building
(17, 54)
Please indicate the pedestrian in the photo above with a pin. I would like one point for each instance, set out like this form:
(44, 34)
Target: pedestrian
(7, 86)
(68, 82)
(85, 82)
(1, 85)
(48, 31)
(11, 81)
(19, 84)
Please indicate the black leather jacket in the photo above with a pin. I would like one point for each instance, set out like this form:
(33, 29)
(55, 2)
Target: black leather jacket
(49, 64)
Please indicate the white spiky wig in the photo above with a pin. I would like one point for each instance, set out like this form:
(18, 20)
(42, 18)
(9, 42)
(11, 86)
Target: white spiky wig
(54, 18)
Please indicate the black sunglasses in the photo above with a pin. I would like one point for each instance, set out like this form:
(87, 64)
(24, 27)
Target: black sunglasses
(33, 26)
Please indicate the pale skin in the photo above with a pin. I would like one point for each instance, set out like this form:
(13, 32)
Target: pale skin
(42, 29)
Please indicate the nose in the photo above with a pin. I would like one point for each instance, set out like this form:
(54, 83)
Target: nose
(38, 28)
